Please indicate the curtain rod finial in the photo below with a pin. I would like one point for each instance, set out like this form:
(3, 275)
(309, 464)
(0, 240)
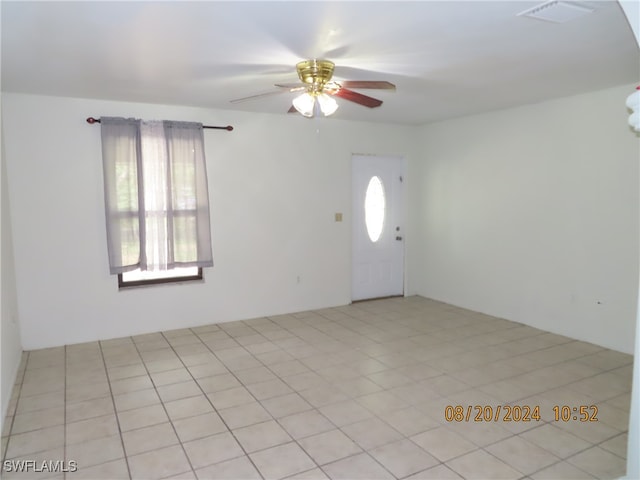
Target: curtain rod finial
(92, 120)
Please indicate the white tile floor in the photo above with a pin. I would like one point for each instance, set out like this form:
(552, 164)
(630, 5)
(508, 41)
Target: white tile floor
(343, 393)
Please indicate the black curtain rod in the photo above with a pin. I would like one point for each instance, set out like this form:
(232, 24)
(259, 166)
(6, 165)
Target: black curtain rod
(92, 120)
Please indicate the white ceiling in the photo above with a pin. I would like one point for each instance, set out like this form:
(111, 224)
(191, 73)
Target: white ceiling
(447, 58)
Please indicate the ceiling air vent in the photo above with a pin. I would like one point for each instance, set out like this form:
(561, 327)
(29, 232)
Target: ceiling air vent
(556, 11)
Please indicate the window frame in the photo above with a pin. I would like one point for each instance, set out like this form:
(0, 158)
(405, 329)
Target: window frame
(123, 284)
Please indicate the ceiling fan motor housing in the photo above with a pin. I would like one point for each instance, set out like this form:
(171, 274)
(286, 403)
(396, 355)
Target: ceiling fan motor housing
(315, 73)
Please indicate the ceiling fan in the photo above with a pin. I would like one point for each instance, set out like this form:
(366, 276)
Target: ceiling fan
(318, 90)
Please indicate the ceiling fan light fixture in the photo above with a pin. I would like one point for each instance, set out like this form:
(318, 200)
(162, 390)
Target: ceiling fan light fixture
(310, 103)
(305, 104)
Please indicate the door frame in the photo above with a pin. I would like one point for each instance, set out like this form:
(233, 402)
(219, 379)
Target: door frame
(403, 220)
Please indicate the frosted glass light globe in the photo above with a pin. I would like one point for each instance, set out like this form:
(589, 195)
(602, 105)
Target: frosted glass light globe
(304, 104)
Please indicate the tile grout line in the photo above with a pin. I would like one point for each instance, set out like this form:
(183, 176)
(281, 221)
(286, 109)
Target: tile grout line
(164, 408)
(208, 400)
(338, 428)
(376, 416)
(315, 408)
(293, 440)
(562, 460)
(115, 411)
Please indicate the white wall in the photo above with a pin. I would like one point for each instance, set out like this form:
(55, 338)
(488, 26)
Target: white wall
(531, 214)
(11, 347)
(275, 183)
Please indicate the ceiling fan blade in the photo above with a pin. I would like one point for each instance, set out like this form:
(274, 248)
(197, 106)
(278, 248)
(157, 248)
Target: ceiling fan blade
(358, 98)
(382, 85)
(290, 87)
(259, 95)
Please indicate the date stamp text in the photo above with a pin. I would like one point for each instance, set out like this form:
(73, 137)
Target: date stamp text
(519, 413)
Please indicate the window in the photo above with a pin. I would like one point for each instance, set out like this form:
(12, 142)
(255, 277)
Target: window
(156, 200)
(375, 206)
(137, 278)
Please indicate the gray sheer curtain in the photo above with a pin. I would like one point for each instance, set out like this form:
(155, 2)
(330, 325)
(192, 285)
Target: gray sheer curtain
(156, 195)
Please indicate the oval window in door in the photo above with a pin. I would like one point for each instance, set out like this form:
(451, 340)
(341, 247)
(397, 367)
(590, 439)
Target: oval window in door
(374, 208)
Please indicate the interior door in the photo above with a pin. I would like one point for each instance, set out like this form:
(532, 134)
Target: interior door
(378, 236)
